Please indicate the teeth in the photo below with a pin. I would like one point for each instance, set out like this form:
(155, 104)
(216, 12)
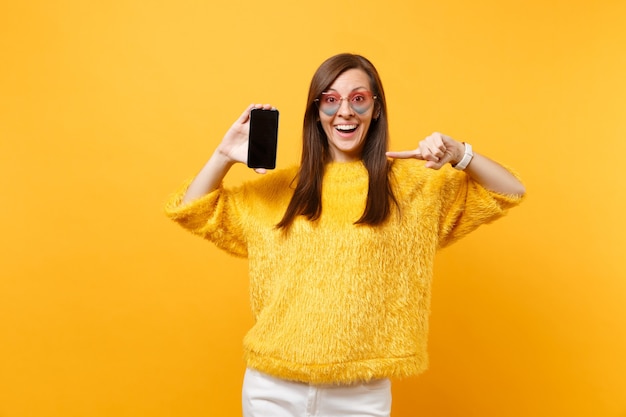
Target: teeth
(346, 127)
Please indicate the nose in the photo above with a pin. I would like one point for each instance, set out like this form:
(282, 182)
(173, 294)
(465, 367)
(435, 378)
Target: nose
(345, 110)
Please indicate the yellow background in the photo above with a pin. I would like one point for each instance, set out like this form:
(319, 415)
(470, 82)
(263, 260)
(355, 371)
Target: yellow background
(109, 309)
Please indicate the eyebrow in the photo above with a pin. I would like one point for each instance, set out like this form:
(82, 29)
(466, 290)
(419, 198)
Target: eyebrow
(353, 90)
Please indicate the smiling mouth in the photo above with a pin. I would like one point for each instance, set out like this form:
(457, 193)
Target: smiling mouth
(346, 128)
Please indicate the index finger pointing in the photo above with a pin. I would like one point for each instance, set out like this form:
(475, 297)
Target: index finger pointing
(405, 154)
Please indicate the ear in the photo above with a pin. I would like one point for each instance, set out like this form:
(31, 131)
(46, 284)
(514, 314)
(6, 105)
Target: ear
(377, 110)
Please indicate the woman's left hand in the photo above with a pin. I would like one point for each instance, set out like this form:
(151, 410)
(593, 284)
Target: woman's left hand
(436, 149)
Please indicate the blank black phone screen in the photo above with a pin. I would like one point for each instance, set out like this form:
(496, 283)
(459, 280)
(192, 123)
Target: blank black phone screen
(263, 138)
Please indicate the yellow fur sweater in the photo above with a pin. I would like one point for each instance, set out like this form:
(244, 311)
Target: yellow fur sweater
(334, 302)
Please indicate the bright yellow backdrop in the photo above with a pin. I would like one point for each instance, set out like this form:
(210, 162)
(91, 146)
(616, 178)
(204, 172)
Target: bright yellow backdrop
(108, 309)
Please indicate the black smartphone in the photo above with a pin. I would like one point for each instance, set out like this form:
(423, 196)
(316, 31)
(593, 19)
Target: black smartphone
(263, 138)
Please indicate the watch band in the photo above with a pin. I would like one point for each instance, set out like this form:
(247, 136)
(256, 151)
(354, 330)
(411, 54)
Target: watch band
(467, 158)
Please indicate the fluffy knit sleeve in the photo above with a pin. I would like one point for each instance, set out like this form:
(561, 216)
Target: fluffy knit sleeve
(214, 216)
(466, 205)
(448, 200)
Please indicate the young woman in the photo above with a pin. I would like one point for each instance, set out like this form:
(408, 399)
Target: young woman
(341, 248)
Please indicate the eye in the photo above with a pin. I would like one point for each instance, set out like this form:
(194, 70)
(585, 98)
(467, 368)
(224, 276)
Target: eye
(330, 98)
(359, 98)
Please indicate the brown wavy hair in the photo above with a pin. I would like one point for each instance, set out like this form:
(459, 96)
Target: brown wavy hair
(307, 197)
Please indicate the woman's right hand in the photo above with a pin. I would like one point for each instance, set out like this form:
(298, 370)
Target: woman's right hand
(232, 149)
(234, 145)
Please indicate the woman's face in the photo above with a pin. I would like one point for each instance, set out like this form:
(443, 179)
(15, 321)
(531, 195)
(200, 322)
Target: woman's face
(346, 129)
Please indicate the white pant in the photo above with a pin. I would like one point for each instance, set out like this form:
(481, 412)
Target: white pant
(266, 396)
